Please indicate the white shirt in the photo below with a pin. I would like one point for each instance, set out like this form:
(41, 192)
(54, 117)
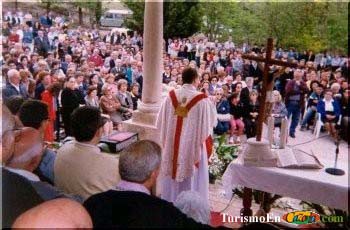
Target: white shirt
(329, 105)
(26, 174)
(16, 86)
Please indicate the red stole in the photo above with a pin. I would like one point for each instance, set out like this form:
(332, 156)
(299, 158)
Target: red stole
(181, 113)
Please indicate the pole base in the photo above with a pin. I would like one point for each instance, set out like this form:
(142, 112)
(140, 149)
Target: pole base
(335, 171)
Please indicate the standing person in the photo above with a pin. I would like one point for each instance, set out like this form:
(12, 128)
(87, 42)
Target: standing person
(70, 101)
(185, 122)
(251, 121)
(27, 39)
(44, 80)
(41, 44)
(49, 96)
(295, 91)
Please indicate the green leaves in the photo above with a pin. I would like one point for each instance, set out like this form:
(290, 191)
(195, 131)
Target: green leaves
(223, 156)
(302, 25)
(181, 19)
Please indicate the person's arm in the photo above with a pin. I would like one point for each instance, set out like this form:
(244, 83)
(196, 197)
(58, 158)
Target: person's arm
(337, 109)
(321, 109)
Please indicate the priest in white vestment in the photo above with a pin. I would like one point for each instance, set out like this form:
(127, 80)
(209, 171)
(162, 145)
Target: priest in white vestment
(185, 122)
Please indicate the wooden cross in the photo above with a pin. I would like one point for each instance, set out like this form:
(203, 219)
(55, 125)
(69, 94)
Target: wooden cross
(267, 83)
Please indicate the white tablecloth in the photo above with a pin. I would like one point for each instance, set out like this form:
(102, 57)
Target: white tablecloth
(313, 185)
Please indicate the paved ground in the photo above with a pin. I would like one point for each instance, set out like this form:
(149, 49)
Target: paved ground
(323, 148)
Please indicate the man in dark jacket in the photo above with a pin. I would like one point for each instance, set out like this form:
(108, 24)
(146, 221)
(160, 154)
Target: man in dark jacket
(41, 44)
(295, 91)
(131, 203)
(13, 86)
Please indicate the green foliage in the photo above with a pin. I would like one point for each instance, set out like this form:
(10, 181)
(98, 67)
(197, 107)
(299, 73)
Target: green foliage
(93, 7)
(303, 25)
(222, 156)
(181, 19)
(136, 21)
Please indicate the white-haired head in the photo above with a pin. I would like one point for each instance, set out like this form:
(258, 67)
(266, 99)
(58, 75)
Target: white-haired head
(335, 86)
(13, 76)
(194, 206)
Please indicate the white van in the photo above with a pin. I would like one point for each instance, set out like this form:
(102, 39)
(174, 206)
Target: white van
(114, 18)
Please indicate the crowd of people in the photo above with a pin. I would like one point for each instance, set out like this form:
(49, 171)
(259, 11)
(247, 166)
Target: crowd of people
(87, 82)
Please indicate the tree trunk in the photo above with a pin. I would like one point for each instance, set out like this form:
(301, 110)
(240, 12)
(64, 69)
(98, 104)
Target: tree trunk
(80, 11)
(98, 13)
(48, 6)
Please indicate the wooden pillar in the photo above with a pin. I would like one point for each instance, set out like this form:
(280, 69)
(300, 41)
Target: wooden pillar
(247, 202)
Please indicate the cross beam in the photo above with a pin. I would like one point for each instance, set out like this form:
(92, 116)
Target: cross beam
(268, 62)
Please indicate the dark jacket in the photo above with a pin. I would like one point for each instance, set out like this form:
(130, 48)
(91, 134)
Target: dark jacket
(42, 46)
(10, 91)
(223, 107)
(125, 102)
(238, 110)
(253, 109)
(39, 89)
(292, 89)
(255, 73)
(70, 100)
(18, 196)
(128, 209)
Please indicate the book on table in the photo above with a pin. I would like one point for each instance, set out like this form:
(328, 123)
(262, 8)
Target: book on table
(119, 140)
(296, 158)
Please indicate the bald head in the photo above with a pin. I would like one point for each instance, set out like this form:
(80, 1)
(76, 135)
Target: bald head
(58, 213)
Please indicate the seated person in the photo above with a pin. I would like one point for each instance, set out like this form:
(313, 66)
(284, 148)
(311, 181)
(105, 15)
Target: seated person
(34, 113)
(279, 110)
(135, 94)
(223, 112)
(251, 120)
(23, 152)
(58, 213)
(330, 111)
(130, 203)
(111, 106)
(18, 194)
(125, 99)
(242, 92)
(14, 103)
(91, 99)
(80, 167)
(314, 98)
(345, 115)
(237, 110)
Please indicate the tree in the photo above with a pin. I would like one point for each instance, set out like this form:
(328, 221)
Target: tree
(48, 4)
(181, 19)
(94, 8)
(303, 25)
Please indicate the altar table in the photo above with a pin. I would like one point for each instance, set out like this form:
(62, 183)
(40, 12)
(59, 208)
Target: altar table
(313, 185)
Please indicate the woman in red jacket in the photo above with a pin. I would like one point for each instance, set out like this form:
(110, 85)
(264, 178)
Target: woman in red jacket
(49, 96)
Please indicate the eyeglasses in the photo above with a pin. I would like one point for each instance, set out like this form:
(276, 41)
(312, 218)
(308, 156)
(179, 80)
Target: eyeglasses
(218, 94)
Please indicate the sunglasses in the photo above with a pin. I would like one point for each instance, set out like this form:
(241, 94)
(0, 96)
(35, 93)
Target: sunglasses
(219, 94)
